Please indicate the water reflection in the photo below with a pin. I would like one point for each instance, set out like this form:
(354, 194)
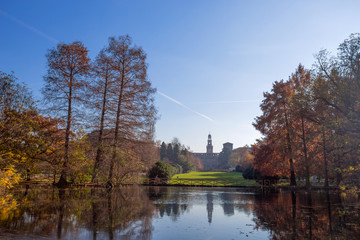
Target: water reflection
(81, 214)
(179, 213)
(311, 215)
(209, 206)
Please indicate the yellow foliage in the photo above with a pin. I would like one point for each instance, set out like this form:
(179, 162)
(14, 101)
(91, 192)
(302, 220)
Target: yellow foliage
(8, 179)
(7, 204)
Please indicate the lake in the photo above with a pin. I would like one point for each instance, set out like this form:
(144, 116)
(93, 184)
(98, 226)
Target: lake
(141, 212)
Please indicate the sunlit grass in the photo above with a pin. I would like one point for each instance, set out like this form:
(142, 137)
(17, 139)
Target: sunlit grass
(212, 178)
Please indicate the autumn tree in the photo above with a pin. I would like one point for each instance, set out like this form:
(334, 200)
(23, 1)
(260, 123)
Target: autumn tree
(68, 65)
(132, 108)
(340, 83)
(241, 158)
(302, 109)
(15, 103)
(324, 118)
(269, 159)
(13, 95)
(28, 139)
(275, 123)
(100, 96)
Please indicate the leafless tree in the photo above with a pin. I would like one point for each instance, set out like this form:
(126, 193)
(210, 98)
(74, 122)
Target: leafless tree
(99, 90)
(68, 65)
(131, 105)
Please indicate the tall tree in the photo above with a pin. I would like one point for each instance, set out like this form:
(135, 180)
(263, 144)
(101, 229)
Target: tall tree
(133, 110)
(276, 122)
(13, 95)
(102, 73)
(176, 153)
(301, 106)
(169, 151)
(68, 65)
(27, 139)
(324, 118)
(269, 159)
(340, 80)
(162, 151)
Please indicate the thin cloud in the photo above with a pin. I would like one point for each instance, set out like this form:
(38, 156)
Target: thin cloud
(184, 106)
(236, 101)
(27, 26)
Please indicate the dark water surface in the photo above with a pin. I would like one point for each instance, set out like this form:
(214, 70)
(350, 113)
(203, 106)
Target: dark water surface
(179, 213)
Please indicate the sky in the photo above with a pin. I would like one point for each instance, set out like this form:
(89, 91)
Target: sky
(209, 60)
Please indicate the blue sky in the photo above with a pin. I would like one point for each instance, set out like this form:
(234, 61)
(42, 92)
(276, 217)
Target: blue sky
(211, 61)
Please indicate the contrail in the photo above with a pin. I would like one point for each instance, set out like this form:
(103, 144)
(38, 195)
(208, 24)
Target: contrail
(236, 101)
(31, 28)
(184, 106)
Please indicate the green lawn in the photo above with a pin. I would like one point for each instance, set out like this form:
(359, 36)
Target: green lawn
(212, 179)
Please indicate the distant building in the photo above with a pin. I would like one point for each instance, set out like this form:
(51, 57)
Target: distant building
(208, 159)
(209, 146)
(228, 146)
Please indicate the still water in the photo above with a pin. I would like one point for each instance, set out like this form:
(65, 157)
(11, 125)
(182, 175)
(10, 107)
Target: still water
(179, 213)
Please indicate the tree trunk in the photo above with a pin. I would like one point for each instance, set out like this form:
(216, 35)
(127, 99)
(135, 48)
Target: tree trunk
(100, 140)
(309, 214)
(61, 213)
(96, 212)
(307, 164)
(62, 181)
(293, 199)
(325, 160)
(54, 177)
(110, 215)
(116, 137)
(27, 174)
(289, 147)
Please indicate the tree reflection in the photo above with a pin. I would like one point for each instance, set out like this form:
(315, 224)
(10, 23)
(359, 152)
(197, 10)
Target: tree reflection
(124, 213)
(127, 212)
(169, 201)
(227, 203)
(309, 215)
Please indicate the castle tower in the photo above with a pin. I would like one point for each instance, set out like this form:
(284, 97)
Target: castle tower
(209, 146)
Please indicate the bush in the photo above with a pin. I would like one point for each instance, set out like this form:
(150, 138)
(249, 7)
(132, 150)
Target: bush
(251, 173)
(178, 169)
(162, 170)
(238, 168)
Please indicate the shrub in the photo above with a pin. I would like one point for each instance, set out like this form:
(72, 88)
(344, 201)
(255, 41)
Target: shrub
(251, 173)
(178, 169)
(162, 170)
(238, 168)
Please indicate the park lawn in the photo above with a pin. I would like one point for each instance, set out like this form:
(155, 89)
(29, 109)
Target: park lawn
(213, 179)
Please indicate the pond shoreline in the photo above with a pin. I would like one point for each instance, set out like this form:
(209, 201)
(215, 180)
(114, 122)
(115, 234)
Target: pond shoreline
(267, 188)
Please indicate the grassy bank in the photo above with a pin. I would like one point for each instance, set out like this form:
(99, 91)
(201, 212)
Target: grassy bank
(212, 179)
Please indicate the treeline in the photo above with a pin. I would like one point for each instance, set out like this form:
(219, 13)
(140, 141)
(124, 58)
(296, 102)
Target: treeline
(174, 159)
(97, 123)
(311, 122)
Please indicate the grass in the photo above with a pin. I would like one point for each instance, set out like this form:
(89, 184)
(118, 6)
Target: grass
(212, 179)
